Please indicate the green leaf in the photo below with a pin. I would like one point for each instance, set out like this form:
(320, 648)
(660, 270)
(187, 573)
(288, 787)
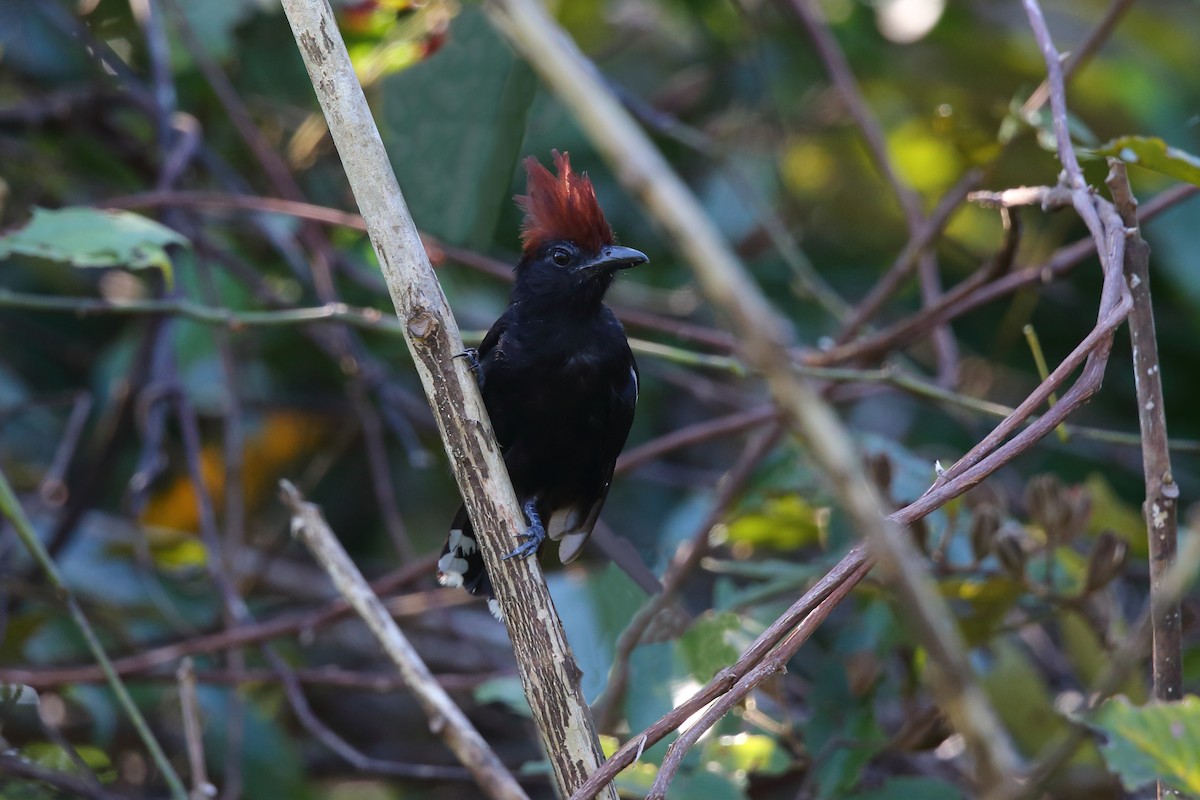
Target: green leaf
(1151, 742)
(90, 238)
(1021, 697)
(709, 785)
(706, 647)
(842, 733)
(453, 125)
(53, 756)
(1110, 512)
(1153, 154)
(905, 788)
(505, 691)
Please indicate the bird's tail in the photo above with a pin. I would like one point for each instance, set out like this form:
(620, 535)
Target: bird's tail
(461, 563)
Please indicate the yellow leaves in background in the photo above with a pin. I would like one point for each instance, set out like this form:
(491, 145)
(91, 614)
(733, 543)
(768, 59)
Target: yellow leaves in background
(927, 162)
(807, 166)
(172, 515)
(781, 523)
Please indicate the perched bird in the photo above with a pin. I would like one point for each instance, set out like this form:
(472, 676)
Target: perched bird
(557, 376)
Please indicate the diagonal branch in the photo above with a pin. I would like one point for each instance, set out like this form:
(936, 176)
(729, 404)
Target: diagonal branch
(549, 675)
(446, 720)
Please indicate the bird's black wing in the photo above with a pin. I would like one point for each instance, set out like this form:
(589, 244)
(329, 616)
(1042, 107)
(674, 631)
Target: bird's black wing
(622, 403)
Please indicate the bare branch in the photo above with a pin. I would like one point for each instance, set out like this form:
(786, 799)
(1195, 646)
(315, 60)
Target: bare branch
(446, 719)
(185, 676)
(774, 663)
(1162, 493)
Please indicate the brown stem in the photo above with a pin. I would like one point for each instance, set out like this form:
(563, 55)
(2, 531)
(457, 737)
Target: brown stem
(1162, 493)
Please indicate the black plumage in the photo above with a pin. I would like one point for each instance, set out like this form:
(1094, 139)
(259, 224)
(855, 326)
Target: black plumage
(557, 375)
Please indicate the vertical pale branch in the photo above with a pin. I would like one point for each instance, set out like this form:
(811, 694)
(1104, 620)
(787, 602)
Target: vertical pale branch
(1162, 493)
(547, 667)
(10, 507)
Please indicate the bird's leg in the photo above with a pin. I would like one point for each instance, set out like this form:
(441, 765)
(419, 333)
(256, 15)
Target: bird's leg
(471, 354)
(534, 535)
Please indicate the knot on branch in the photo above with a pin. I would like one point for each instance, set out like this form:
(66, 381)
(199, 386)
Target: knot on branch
(422, 324)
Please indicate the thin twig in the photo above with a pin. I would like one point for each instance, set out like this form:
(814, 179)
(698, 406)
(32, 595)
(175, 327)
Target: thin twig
(240, 636)
(1081, 55)
(193, 732)
(53, 488)
(774, 663)
(233, 445)
(686, 559)
(446, 720)
(10, 507)
(900, 270)
(844, 575)
(326, 675)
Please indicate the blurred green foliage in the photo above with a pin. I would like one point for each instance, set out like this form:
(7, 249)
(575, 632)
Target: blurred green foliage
(743, 109)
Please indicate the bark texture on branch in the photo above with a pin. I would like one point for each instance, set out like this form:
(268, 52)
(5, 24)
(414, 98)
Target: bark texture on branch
(547, 667)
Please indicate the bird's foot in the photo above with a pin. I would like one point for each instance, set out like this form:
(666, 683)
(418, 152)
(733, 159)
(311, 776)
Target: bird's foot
(534, 535)
(471, 354)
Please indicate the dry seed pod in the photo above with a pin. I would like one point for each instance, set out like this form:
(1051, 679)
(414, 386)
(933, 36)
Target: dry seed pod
(1105, 561)
(1011, 555)
(985, 522)
(1048, 506)
(1078, 504)
(985, 495)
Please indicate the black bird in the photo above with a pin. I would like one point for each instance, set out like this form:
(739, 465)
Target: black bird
(557, 376)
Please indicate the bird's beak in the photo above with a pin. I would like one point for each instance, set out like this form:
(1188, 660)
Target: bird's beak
(614, 257)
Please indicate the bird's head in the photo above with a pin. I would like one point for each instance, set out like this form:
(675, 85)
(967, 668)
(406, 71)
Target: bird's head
(569, 257)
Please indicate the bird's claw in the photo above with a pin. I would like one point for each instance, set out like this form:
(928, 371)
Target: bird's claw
(471, 354)
(534, 535)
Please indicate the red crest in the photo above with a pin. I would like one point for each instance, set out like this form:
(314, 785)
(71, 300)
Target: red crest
(563, 207)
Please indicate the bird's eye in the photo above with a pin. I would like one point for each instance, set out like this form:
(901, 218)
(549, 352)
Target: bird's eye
(561, 256)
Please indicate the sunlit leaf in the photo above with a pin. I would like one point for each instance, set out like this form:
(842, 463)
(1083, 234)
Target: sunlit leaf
(89, 237)
(987, 599)
(784, 523)
(706, 647)
(53, 756)
(1157, 741)
(927, 162)
(748, 753)
(1154, 154)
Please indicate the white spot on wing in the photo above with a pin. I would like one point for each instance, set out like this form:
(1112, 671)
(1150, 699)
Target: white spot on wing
(633, 375)
(494, 607)
(572, 545)
(563, 520)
